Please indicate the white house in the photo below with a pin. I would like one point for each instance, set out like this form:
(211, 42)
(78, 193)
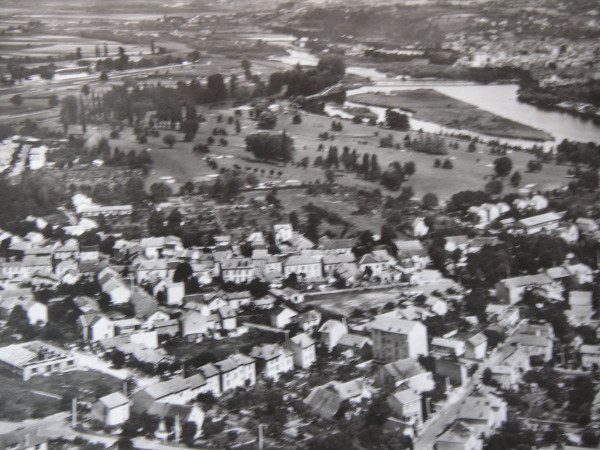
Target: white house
(307, 266)
(111, 410)
(95, 327)
(303, 347)
(395, 338)
(281, 316)
(272, 360)
(331, 332)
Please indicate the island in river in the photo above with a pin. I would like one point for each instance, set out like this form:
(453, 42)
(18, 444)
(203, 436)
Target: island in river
(432, 106)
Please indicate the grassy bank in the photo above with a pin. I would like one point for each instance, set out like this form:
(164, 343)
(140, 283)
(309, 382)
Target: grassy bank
(432, 106)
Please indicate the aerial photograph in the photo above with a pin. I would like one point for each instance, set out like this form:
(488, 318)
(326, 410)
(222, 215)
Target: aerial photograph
(300, 224)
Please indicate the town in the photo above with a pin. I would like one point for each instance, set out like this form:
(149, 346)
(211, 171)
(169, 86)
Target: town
(214, 234)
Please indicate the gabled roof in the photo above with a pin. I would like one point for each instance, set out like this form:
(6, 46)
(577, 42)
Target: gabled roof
(394, 325)
(458, 433)
(354, 340)
(328, 326)
(113, 400)
(336, 244)
(233, 362)
(300, 260)
(209, 370)
(165, 388)
(268, 352)
(541, 219)
(406, 396)
(527, 280)
(303, 340)
(325, 401)
(403, 369)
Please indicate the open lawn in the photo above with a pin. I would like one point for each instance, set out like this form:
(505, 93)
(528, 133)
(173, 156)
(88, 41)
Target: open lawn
(432, 106)
(471, 170)
(42, 395)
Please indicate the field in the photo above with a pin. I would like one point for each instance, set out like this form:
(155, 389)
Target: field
(41, 396)
(346, 302)
(432, 106)
(471, 170)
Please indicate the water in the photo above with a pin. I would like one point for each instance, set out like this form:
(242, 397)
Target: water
(499, 99)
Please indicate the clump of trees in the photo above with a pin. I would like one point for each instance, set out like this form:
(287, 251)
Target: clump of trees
(396, 120)
(432, 145)
(271, 147)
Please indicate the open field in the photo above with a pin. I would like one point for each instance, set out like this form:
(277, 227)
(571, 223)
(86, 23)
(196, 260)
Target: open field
(471, 170)
(18, 401)
(345, 302)
(432, 106)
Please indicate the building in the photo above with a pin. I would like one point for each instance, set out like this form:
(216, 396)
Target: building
(543, 222)
(272, 360)
(476, 346)
(510, 290)
(95, 327)
(331, 332)
(304, 266)
(590, 356)
(237, 371)
(303, 348)
(111, 410)
(483, 412)
(406, 405)
(395, 338)
(448, 346)
(407, 373)
(459, 436)
(37, 312)
(281, 316)
(356, 344)
(35, 358)
(194, 324)
(238, 270)
(336, 246)
(23, 439)
(283, 232)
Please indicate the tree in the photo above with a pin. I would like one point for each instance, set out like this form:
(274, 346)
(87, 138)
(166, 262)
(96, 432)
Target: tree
(275, 82)
(396, 120)
(448, 164)
(169, 140)
(16, 100)
(297, 119)
(330, 176)
(53, 101)
(430, 201)
(333, 64)
(215, 85)
(104, 76)
(160, 192)
(494, 187)
(379, 411)
(409, 168)
(19, 322)
(472, 148)
(503, 166)
(515, 179)
(270, 147)
(188, 432)
(69, 111)
(267, 120)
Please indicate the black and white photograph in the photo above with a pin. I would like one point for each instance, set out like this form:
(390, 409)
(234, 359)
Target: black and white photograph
(300, 224)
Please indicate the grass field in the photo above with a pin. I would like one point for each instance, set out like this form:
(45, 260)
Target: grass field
(432, 106)
(20, 400)
(471, 170)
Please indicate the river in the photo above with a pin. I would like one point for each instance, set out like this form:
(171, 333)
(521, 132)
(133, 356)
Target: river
(499, 99)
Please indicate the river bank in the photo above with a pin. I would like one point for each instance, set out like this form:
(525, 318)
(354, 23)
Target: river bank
(432, 106)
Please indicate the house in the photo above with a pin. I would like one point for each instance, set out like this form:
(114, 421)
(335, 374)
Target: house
(407, 373)
(336, 246)
(89, 253)
(126, 326)
(437, 306)
(483, 412)
(111, 410)
(144, 305)
(580, 308)
(281, 316)
(237, 270)
(156, 247)
(536, 224)
(454, 370)
(536, 203)
(504, 315)
(510, 290)
(580, 273)
(272, 360)
(307, 267)
(406, 405)
(395, 338)
(418, 227)
(151, 270)
(587, 226)
(372, 265)
(458, 437)
(476, 346)
(178, 415)
(174, 391)
(194, 324)
(283, 232)
(356, 344)
(33, 358)
(331, 332)
(95, 327)
(535, 340)
(308, 321)
(448, 346)
(326, 400)
(37, 312)
(411, 254)
(236, 371)
(23, 438)
(303, 348)
(590, 356)
(115, 289)
(228, 318)
(212, 377)
(333, 262)
(453, 243)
